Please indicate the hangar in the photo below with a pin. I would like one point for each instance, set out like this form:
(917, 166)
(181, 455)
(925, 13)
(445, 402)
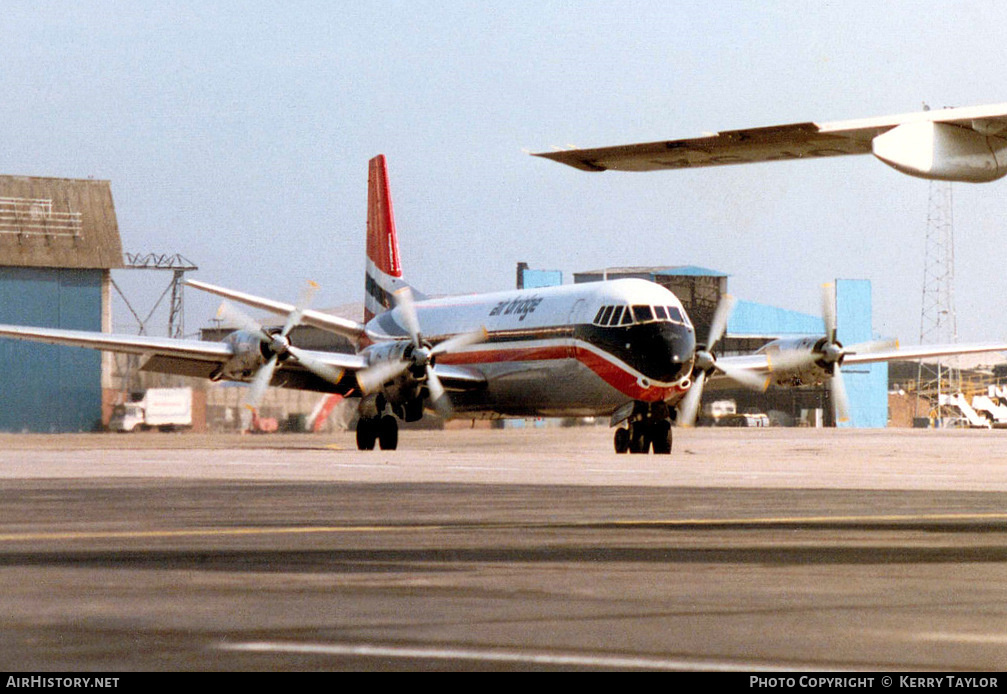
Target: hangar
(59, 241)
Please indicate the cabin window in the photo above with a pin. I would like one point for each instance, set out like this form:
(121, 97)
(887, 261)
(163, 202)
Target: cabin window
(643, 314)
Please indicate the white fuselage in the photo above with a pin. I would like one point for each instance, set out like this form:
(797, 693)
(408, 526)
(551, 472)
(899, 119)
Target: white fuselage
(570, 350)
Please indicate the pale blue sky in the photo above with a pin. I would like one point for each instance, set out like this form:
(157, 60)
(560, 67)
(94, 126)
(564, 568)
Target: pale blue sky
(238, 134)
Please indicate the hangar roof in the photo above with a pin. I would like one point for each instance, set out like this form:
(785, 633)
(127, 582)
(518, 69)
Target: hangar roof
(58, 222)
(644, 272)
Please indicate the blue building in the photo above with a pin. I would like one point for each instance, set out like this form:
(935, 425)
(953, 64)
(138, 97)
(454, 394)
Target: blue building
(59, 240)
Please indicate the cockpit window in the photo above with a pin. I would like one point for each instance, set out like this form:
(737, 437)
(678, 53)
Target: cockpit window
(643, 314)
(626, 315)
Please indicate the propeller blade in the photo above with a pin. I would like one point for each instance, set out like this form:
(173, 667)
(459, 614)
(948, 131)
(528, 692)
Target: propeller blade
(235, 316)
(720, 317)
(689, 408)
(259, 384)
(791, 360)
(873, 346)
(407, 311)
(372, 378)
(829, 310)
(294, 317)
(459, 341)
(840, 401)
(749, 379)
(330, 373)
(437, 395)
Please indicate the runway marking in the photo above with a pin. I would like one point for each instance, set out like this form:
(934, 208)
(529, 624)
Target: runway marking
(456, 526)
(205, 532)
(962, 638)
(498, 656)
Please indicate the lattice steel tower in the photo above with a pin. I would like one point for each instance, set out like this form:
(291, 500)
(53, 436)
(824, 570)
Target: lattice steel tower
(938, 322)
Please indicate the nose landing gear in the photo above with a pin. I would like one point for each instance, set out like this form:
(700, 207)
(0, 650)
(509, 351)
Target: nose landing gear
(647, 428)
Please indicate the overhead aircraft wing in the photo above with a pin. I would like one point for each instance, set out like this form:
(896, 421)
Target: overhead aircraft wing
(322, 321)
(966, 144)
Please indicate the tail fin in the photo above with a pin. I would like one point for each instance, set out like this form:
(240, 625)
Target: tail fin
(384, 273)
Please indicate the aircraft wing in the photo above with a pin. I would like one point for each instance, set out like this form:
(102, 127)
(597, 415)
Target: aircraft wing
(923, 352)
(194, 358)
(199, 359)
(760, 363)
(949, 144)
(213, 352)
(317, 319)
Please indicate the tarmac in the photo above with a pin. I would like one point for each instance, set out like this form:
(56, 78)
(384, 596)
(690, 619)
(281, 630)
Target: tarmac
(761, 550)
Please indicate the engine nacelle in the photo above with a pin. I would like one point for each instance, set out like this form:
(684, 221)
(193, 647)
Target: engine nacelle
(797, 361)
(249, 355)
(943, 152)
(403, 392)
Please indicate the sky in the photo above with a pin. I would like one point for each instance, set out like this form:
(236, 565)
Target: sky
(238, 134)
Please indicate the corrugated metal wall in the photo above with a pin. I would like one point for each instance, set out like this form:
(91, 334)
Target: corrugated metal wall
(46, 388)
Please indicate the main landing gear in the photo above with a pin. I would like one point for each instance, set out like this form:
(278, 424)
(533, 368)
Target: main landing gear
(647, 428)
(383, 431)
(375, 427)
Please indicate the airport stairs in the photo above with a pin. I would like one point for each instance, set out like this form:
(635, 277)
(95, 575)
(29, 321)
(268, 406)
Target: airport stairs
(959, 402)
(991, 406)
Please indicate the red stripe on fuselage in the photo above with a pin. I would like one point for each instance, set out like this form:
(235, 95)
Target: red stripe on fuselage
(626, 382)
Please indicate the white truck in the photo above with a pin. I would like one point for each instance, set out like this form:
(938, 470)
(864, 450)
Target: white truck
(166, 409)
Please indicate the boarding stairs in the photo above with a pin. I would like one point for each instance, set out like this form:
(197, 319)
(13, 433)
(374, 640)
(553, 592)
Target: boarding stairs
(991, 405)
(960, 402)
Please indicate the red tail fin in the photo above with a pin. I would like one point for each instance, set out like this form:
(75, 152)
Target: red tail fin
(384, 273)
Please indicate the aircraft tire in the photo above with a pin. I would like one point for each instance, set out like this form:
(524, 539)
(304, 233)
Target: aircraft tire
(621, 440)
(366, 434)
(639, 438)
(388, 433)
(661, 437)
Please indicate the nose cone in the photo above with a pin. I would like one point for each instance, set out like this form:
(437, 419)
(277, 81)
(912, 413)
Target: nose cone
(667, 351)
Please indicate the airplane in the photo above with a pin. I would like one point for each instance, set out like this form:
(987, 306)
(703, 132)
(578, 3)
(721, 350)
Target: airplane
(624, 349)
(952, 144)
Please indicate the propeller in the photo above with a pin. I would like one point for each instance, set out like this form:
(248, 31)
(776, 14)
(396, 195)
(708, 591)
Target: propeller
(279, 345)
(828, 354)
(421, 355)
(706, 363)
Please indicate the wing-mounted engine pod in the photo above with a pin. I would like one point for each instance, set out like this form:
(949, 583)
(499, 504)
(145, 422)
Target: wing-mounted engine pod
(279, 346)
(831, 355)
(943, 152)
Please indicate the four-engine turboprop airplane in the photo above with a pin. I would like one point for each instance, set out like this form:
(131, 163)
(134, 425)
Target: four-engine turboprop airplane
(623, 349)
(951, 144)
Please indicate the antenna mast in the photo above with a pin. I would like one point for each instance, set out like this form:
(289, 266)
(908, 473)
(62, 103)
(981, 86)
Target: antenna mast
(938, 321)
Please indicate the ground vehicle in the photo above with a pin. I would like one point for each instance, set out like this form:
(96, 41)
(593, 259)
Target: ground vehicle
(166, 409)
